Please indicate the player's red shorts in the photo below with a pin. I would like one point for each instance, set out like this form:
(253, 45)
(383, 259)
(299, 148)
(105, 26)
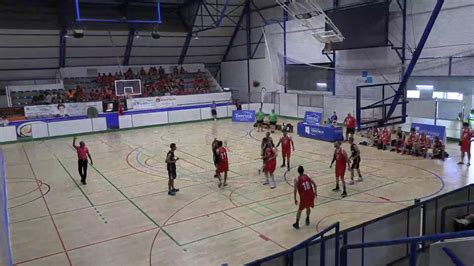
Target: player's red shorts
(223, 166)
(340, 171)
(465, 146)
(286, 153)
(270, 167)
(306, 201)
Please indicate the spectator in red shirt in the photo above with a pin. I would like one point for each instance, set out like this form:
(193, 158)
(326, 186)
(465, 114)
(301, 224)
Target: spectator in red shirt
(350, 123)
(82, 154)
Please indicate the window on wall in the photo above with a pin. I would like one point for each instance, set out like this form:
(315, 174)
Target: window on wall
(448, 95)
(454, 96)
(438, 95)
(413, 94)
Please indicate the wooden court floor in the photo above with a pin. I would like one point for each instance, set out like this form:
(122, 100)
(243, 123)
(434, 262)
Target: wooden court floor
(125, 217)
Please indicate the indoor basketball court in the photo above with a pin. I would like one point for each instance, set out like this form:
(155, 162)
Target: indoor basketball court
(124, 215)
(119, 120)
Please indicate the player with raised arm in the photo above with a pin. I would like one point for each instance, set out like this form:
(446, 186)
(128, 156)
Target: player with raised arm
(82, 154)
(307, 189)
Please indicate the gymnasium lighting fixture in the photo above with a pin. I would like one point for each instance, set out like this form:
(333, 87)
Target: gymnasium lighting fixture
(320, 84)
(78, 33)
(424, 87)
(155, 34)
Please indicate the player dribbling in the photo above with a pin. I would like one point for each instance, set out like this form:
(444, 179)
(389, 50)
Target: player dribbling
(307, 190)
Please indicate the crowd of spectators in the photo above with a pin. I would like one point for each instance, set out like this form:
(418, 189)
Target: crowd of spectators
(410, 143)
(155, 82)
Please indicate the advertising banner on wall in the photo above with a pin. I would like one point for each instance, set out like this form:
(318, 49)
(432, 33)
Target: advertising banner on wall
(313, 118)
(151, 103)
(243, 116)
(60, 110)
(430, 130)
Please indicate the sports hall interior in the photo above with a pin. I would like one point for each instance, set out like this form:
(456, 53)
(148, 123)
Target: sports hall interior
(130, 77)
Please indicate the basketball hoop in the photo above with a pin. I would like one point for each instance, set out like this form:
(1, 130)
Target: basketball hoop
(304, 10)
(328, 37)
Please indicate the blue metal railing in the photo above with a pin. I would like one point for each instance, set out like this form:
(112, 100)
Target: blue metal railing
(455, 206)
(412, 241)
(429, 219)
(288, 254)
(455, 259)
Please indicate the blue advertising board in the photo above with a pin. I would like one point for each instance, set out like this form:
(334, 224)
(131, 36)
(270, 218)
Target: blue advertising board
(313, 118)
(243, 116)
(326, 133)
(430, 130)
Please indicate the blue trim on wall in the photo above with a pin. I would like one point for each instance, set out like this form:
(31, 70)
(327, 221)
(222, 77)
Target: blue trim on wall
(8, 258)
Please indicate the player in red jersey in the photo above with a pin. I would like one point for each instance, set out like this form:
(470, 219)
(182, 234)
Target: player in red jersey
(422, 145)
(341, 159)
(308, 192)
(465, 143)
(223, 164)
(270, 164)
(410, 142)
(286, 145)
(350, 122)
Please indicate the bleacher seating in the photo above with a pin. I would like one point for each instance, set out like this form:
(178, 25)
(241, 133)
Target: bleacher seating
(152, 85)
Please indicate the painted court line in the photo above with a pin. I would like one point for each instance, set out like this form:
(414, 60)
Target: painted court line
(47, 207)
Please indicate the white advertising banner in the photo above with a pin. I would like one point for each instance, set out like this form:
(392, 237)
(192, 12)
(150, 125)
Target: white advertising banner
(60, 110)
(151, 103)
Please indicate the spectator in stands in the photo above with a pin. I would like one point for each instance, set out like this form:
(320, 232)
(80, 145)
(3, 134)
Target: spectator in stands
(196, 83)
(142, 72)
(181, 84)
(181, 70)
(206, 83)
(103, 80)
(48, 98)
(161, 71)
(438, 149)
(175, 70)
(98, 79)
(80, 96)
(4, 121)
(110, 79)
(129, 74)
(57, 98)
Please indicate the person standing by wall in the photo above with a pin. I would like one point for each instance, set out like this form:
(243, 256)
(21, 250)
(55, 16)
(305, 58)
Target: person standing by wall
(350, 123)
(273, 120)
(260, 116)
